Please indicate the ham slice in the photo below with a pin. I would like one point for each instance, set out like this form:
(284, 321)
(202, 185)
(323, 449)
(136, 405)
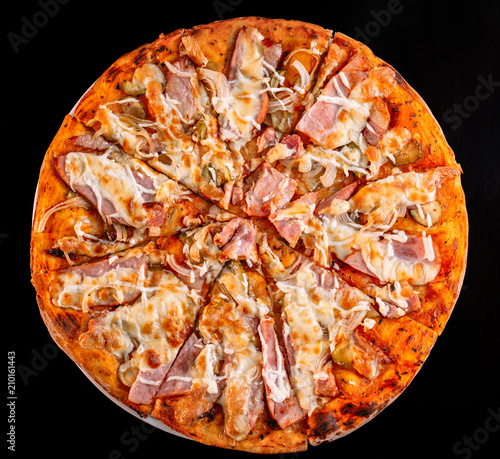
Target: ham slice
(178, 381)
(89, 142)
(272, 52)
(106, 297)
(99, 268)
(292, 219)
(180, 88)
(333, 204)
(378, 121)
(251, 57)
(321, 122)
(155, 213)
(417, 260)
(96, 178)
(271, 191)
(238, 240)
(281, 401)
(267, 139)
(106, 207)
(147, 384)
(290, 147)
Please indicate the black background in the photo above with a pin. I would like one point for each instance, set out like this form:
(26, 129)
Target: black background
(448, 51)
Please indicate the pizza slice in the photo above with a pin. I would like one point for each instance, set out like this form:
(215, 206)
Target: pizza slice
(350, 121)
(402, 347)
(129, 317)
(318, 315)
(175, 128)
(361, 120)
(385, 231)
(231, 370)
(346, 362)
(175, 132)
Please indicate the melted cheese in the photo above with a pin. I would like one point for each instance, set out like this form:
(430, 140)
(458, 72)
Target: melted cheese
(314, 316)
(345, 159)
(277, 380)
(340, 236)
(204, 371)
(128, 131)
(243, 375)
(402, 190)
(119, 184)
(390, 268)
(382, 201)
(428, 247)
(228, 321)
(79, 291)
(176, 147)
(156, 325)
(352, 115)
(230, 315)
(240, 109)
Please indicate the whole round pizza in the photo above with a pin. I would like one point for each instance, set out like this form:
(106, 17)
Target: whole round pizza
(253, 231)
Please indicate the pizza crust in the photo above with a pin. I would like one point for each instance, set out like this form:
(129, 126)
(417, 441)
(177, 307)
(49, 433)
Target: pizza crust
(405, 343)
(266, 438)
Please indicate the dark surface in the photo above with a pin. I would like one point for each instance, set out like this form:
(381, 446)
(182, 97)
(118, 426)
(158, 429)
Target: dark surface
(448, 51)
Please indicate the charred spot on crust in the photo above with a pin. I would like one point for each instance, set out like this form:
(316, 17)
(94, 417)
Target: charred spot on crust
(273, 425)
(365, 410)
(56, 252)
(361, 410)
(69, 324)
(324, 423)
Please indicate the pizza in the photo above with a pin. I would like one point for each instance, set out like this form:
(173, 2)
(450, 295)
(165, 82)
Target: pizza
(253, 231)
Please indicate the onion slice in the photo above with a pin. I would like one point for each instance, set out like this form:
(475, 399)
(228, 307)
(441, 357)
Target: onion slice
(77, 201)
